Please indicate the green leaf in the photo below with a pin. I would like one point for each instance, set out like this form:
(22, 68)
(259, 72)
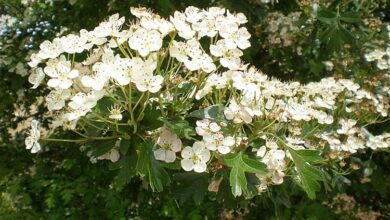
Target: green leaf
(240, 164)
(127, 169)
(191, 185)
(310, 155)
(172, 166)
(180, 127)
(101, 147)
(147, 166)
(67, 195)
(310, 176)
(94, 128)
(350, 17)
(327, 16)
(212, 112)
(103, 105)
(150, 120)
(124, 146)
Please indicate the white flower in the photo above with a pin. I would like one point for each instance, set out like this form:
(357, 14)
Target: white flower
(212, 81)
(34, 60)
(178, 50)
(242, 81)
(32, 140)
(110, 27)
(274, 159)
(195, 157)
(193, 14)
(83, 101)
(111, 66)
(145, 41)
(206, 127)
(183, 28)
(73, 44)
(229, 58)
(75, 114)
(206, 27)
(375, 142)
(140, 68)
(169, 143)
(236, 39)
(328, 65)
(115, 113)
(56, 99)
(347, 127)
(61, 73)
(261, 151)
(149, 83)
(218, 142)
(97, 81)
(36, 77)
(238, 113)
(49, 49)
(155, 22)
(20, 69)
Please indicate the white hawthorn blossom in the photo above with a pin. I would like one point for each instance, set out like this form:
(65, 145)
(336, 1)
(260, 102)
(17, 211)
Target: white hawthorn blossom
(145, 41)
(56, 99)
(36, 77)
(32, 140)
(61, 73)
(238, 113)
(169, 144)
(195, 157)
(116, 113)
(219, 142)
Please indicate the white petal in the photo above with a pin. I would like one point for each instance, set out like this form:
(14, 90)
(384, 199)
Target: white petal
(214, 127)
(53, 83)
(36, 147)
(73, 74)
(279, 154)
(66, 84)
(224, 149)
(205, 156)
(198, 147)
(114, 155)
(159, 154)
(229, 141)
(187, 164)
(187, 152)
(170, 156)
(29, 141)
(176, 145)
(87, 81)
(50, 71)
(200, 167)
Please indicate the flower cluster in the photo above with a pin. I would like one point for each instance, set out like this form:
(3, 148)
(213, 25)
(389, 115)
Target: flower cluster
(114, 81)
(281, 29)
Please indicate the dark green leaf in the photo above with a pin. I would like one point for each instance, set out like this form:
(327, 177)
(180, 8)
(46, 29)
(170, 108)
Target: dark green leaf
(240, 164)
(101, 147)
(310, 155)
(351, 17)
(181, 128)
(310, 176)
(327, 16)
(212, 112)
(148, 166)
(191, 185)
